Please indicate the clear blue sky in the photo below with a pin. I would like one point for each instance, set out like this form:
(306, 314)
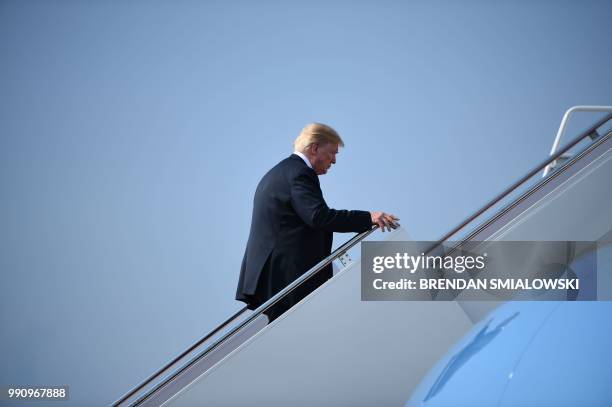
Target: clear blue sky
(133, 135)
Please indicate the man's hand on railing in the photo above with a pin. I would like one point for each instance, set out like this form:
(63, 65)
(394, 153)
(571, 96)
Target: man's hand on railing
(384, 220)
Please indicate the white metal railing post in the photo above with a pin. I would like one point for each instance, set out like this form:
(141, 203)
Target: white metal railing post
(563, 125)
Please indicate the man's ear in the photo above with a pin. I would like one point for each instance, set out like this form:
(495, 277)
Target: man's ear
(314, 148)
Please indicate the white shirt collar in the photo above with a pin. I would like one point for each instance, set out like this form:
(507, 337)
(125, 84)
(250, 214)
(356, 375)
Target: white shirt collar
(303, 158)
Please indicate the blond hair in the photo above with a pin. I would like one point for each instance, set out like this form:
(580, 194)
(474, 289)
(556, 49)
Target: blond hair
(316, 133)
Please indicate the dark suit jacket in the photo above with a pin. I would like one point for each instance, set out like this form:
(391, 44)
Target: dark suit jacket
(291, 231)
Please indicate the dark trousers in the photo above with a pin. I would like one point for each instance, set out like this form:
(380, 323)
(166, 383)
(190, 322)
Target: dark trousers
(269, 285)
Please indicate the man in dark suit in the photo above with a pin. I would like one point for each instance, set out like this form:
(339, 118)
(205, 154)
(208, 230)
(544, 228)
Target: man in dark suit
(292, 226)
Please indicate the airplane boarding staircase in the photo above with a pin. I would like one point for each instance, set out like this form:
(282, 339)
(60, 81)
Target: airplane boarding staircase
(334, 349)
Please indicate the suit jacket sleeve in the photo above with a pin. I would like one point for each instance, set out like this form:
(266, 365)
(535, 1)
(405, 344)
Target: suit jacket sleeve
(307, 200)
